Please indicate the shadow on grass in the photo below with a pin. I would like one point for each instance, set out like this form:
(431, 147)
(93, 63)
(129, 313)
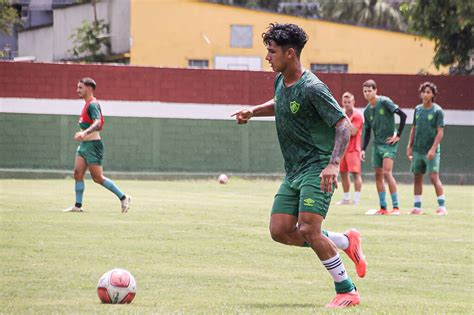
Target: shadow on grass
(277, 305)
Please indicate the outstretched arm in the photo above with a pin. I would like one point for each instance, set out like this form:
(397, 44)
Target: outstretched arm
(242, 116)
(329, 174)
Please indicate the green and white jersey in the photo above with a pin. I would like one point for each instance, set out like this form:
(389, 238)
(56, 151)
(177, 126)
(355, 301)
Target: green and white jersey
(426, 122)
(381, 119)
(90, 112)
(305, 115)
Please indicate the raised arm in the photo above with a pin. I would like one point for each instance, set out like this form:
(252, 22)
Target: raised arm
(242, 116)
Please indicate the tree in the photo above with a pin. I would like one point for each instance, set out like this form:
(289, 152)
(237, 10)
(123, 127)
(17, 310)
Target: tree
(372, 13)
(450, 23)
(90, 38)
(8, 17)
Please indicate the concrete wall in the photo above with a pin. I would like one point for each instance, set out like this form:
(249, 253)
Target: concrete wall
(119, 17)
(169, 120)
(66, 20)
(212, 86)
(37, 42)
(186, 145)
(170, 32)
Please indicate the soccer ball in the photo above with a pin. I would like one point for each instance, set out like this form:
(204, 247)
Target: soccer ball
(223, 179)
(117, 286)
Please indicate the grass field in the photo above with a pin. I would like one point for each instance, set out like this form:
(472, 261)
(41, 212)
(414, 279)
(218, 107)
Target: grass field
(197, 247)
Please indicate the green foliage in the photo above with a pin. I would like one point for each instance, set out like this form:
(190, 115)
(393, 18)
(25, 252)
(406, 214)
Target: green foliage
(450, 23)
(8, 17)
(89, 40)
(372, 13)
(197, 247)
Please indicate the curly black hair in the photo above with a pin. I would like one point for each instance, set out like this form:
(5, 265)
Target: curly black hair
(286, 35)
(430, 85)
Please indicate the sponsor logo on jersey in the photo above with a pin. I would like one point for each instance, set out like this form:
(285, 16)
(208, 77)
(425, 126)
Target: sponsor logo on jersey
(294, 107)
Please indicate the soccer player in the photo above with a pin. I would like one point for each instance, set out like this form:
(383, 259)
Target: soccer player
(313, 132)
(90, 152)
(424, 146)
(379, 117)
(350, 163)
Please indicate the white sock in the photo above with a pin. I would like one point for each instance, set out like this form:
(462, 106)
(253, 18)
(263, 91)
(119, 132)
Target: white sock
(340, 240)
(356, 196)
(336, 268)
(345, 196)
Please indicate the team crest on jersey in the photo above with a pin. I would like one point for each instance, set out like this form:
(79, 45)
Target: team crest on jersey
(382, 111)
(371, 117)
(294, 107)
(430, 116)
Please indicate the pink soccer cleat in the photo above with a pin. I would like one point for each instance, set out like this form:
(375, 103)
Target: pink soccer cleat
(416, 211)
(441, 211)
(381, 212)
(395, 211)
(343, 300)
(355, 253)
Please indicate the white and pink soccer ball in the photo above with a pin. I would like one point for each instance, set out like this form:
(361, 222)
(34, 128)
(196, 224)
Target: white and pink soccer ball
(117, 286)
(223, 179)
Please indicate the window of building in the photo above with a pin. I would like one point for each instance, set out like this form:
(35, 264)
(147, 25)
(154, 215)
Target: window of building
(329, 67)
(198, 63)
(241, 36)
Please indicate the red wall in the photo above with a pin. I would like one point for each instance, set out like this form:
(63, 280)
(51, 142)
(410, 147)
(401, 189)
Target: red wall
(40, 80)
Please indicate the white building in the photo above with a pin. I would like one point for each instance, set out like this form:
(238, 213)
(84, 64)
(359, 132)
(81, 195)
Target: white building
(53, 43)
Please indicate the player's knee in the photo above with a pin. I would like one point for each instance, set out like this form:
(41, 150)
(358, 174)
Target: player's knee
(78, 175)
(278, 234)
(310, 232)
(434, 178)
(98, 179)
(387, 173)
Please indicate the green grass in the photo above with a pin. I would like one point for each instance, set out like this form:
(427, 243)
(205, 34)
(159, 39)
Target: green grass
(197, 247)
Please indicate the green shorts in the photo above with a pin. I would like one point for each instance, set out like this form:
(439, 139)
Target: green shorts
(420, 163)
(384, 151)
(92, 151)
(302, 194)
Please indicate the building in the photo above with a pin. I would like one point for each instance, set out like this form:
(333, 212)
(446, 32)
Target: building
(200, 34)
(32, 14)
(49, 42)
(196, 33)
